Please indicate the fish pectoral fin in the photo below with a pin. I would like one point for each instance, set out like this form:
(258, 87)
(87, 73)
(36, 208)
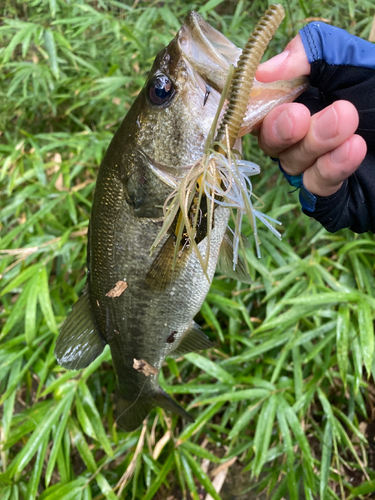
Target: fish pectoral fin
(162, 273)
(163, 400)
(79, 342)
(225, 262)
(193, 340)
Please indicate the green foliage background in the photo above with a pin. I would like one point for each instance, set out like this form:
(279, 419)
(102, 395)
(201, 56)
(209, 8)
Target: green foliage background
(288, 391)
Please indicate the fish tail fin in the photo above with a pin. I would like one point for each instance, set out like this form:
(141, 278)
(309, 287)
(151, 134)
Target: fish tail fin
(130, 414)
(163, 400)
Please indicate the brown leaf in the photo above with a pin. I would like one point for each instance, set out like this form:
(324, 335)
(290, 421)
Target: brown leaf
(142, 366)
(118, 289)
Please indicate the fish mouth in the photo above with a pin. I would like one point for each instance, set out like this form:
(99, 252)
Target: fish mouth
(207, 50)
(211, 54)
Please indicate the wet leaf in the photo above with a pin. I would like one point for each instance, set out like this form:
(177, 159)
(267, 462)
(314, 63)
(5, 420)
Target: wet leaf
(366, 334)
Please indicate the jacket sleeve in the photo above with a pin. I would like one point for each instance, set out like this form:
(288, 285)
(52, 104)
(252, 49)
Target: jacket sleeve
(343, 67)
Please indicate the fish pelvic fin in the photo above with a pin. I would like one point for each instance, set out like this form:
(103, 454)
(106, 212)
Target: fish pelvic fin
(193, 340)
(130, 414)
(225, 262)
(79, 341)
(164, 270)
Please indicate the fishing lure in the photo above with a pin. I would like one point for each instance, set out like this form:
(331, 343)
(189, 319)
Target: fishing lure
(221, 177)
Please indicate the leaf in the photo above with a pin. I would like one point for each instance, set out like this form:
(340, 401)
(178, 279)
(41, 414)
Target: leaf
(34, 481)
(366, 334)
(319, 347)
(94, 418)
(363, 489)
(242, 395)
(299, 434)
(24, 370)
(104, 356)
(254, 352)
(200, 475)
(30, 311)
(290, 457)
(37, 439)
(52, 55)
(211, 4)
(82, 446)
(357, 361)
(23, 276)
(57, 438)
(22, 228)
(60, 380)
(263, 433)
(350, 424)
(326, 459)
(342, 340)
(326, 298)
(202, 420)
(211, 319)
(105, 487)
(160, 478)
(83, 419)
(189, 478)
(52, 7)
(197, 450)
(71, 208)
(211, 368)
(70, 491)
(8, 407)
(244, 419)
(45, 300)
(290, 317)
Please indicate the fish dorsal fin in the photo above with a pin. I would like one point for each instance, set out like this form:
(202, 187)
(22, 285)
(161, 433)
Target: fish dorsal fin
(193, 340)
(161, 272)
(163, 400)
(225, 262)
(79, 342)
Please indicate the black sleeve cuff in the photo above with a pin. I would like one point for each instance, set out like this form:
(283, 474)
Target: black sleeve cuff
(352, 206)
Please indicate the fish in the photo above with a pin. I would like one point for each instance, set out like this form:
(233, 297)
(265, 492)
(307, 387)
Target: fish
(143, 304)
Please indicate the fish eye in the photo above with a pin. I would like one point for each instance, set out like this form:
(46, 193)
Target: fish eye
(161, 90)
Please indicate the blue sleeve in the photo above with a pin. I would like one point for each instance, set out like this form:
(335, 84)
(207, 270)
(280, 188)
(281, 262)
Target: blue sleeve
(335, 46)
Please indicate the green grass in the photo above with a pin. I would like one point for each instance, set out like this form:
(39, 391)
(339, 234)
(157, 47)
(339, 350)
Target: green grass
(287, 392)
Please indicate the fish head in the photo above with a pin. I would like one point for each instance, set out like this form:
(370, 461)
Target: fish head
(178, 103)
(174, 112)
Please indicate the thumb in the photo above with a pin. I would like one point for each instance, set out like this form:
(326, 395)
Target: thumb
(290, 64)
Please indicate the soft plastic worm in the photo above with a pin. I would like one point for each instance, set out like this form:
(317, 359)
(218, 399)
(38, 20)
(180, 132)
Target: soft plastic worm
(245, 72)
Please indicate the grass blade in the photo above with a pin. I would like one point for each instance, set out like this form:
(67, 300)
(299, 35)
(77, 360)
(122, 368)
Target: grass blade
(366, 334)
(326, 459)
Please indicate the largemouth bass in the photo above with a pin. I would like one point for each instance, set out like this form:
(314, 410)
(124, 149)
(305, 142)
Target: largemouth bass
(140, 304)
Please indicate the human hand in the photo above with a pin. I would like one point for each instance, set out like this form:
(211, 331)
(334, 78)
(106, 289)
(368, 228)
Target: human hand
(323, 147)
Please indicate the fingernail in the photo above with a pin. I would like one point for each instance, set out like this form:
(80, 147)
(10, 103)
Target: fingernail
(274, 62)
(326, 126)
(340, 154)
(284, 126)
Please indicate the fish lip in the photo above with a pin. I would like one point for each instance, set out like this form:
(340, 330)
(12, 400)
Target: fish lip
(207, 50)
